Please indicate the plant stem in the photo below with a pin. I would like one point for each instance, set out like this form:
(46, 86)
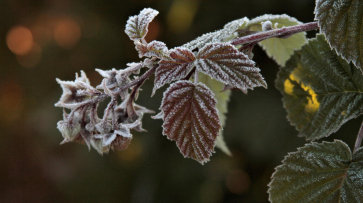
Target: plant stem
(358, 142)
(130, 102)
(286, 31)
(141, 79)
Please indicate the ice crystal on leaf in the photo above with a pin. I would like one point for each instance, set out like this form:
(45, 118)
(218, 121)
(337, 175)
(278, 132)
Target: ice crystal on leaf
(153, 49)
(223, 62)
(223, 35)
(137, 26)
(191, 119)
(179, 65)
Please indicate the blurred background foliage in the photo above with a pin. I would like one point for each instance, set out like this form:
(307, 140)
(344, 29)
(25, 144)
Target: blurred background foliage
(41, 40)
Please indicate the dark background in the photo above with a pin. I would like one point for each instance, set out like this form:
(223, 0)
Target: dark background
(41, 40)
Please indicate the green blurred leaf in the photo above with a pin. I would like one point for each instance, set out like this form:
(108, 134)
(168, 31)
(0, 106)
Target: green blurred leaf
(342, 24)
(222, 106)
(278, 48)
(321, 91)
(319, 172)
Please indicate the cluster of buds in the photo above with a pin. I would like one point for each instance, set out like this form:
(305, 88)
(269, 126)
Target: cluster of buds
(83, 125)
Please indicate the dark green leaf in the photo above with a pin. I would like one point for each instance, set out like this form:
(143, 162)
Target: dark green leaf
(320, 90)
(342, 24)
(319, 172)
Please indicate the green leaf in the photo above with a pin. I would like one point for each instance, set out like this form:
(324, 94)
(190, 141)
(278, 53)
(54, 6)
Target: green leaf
(222, 106)
(319, 172)
(278, 48)
(342, 24)
(321, 91)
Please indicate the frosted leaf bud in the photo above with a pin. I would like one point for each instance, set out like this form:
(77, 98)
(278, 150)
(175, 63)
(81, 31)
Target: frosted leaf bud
(97, 144)
(266, 26)
(68, 130)
(121, 143)
(90, 127)
(103, 127)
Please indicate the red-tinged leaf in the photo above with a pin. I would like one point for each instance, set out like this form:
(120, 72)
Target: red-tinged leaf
(179, 65)
(141, 48)
(191, 119)
(223, 62)
(136, 27)
(153, 49)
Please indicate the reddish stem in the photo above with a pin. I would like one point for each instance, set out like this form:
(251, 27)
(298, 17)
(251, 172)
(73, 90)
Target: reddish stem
(358, 142)
(276, 33)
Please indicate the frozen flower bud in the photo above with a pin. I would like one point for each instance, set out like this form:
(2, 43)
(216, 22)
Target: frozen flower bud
(74, 93)
(103, 127)
(112, 80)
(122, 140)
(97, 144)
(90, 127)
(69, 130)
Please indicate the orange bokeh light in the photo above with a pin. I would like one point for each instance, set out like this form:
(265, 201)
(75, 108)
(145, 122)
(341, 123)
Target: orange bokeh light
(11, 101)
(32, 59)
(238, 181)
(19, 40)
(154, 29)
(67, 33)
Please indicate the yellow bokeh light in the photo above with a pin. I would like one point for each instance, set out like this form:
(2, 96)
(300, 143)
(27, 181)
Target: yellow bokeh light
(181, 15)
(19, 40)
(313, 104)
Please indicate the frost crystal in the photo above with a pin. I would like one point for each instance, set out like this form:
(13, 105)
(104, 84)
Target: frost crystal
(75, 93)
(137, 26)
(191, 119)
(176, 68)
(153, 49)
(222, 35)
(223, 62)
(266, 25)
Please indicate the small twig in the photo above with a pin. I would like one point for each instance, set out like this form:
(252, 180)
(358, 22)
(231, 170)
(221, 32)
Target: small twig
(358, 142)
(275, 33)
(103, 96)
(109, 107)
(130, 102)
(114, 119)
